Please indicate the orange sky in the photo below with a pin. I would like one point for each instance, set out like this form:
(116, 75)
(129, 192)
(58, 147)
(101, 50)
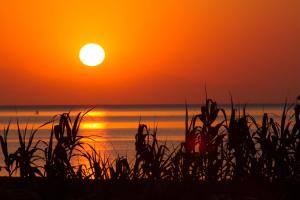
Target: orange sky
(156, 51)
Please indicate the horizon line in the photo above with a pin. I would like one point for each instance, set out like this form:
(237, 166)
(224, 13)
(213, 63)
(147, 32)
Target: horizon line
(136, 105)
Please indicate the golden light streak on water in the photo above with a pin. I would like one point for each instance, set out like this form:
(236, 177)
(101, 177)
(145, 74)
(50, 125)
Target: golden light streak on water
(103, 125)
(93, 125)
(96, 114)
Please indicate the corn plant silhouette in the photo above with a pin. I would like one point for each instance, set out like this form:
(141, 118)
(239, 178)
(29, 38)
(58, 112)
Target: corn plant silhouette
(68, 145)
(200, 156)
(216, 148)
(152, 158)
(8, 157)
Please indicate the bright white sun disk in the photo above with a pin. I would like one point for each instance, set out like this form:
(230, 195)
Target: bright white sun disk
(92, 54)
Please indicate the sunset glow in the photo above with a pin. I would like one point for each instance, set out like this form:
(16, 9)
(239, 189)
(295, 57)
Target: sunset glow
(149, 100)
(156, 47)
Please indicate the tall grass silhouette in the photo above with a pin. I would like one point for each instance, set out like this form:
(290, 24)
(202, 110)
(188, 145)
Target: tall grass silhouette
(218, 147)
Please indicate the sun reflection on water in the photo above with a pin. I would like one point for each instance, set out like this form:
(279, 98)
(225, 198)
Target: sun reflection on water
(96, 114)
(93, 125)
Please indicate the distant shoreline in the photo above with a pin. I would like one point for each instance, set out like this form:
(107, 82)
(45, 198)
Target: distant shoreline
(137, 105)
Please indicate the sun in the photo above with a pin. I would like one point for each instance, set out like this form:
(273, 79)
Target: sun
(92, 54)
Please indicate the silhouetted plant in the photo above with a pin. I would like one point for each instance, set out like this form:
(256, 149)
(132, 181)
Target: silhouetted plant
(122, 170)
(99, 167)
(8, 157)
(201, 155)
(26, 154)
(216, 148)
(152, 160)
(241, 143)
(68, 144)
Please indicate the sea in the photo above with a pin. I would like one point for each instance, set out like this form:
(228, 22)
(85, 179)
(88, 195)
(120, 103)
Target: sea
(113, 127)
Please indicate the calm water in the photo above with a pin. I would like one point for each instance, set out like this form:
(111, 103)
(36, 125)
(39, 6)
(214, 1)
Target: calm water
(116, 126)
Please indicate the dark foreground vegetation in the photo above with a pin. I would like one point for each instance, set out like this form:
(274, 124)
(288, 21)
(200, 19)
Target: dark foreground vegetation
(224, 156)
